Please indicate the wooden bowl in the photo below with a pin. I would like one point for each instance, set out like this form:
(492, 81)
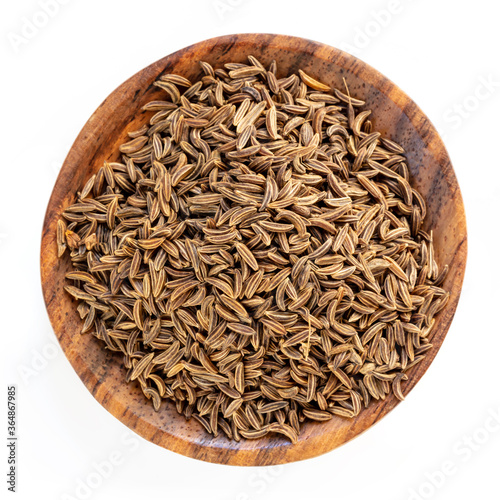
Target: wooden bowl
(394, 114)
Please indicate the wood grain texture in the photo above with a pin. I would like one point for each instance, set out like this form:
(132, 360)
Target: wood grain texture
(394, 114)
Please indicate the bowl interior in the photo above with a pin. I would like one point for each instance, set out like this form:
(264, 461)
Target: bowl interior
(393, 114)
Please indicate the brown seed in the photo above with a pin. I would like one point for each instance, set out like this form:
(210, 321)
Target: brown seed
(247, 255)
(311, 82)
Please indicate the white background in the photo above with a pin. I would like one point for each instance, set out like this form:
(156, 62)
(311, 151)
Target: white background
(440, 53)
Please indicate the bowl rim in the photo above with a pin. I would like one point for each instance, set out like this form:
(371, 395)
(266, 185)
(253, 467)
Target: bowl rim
(215, 450)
